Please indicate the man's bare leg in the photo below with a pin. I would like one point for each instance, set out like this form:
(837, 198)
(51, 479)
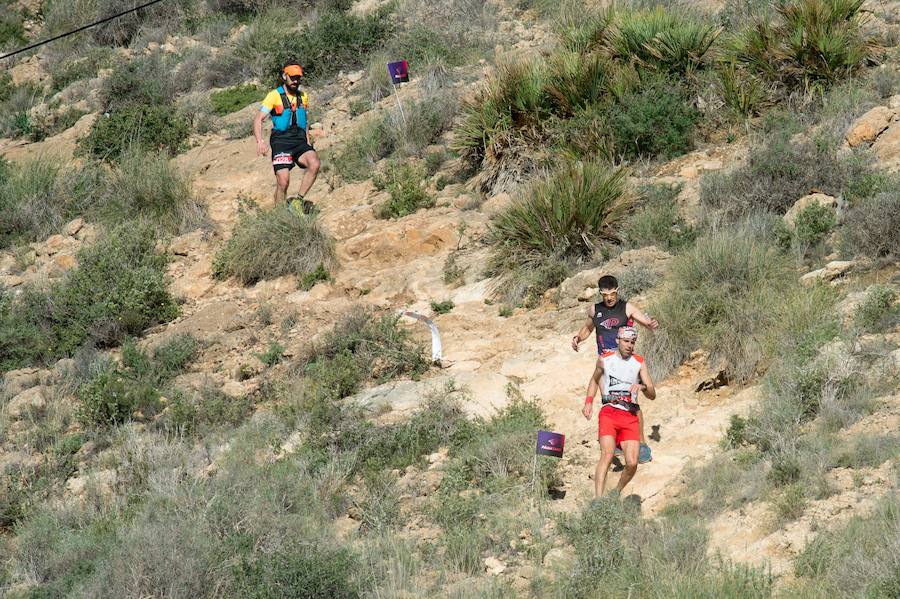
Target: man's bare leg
(282, 181)
(310, 161)
(607, 446)
(631, 450)
(640, 415)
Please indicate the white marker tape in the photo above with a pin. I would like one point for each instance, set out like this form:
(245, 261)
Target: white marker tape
(436, 349)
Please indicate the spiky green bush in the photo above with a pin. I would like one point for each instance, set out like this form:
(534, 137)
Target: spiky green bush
(670, 40)
(810, 44)
(404, 182)
(272, 244)
(568, 215)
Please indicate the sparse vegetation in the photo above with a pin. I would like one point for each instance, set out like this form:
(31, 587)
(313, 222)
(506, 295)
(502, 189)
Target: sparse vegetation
(778, 172)
(657, 221)
(442, 307)
(272, 244)
(878, 312)
(718, 282)
(872, 225)
(405, 184)
(118, 290)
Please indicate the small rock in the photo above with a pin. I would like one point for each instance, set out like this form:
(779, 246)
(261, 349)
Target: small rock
(356, 76)
(496, 204)
(73, 227)
(558, 557)
(87, 234)
(186, 244)
(11, 281)
(887, 146)
(60, 265)
(894, 102)
(869, 126)
(494, 566)
(829, 272)
(55, 244)
(355, 513)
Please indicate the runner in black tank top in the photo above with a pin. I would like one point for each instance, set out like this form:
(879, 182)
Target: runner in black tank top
(607, 321)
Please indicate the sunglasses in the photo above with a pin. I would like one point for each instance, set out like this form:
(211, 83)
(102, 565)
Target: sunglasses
(609, 293)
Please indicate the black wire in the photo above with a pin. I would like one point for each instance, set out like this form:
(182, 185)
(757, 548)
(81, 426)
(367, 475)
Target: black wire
(82, 28)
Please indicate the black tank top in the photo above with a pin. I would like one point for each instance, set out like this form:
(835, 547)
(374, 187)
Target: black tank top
(607, 322)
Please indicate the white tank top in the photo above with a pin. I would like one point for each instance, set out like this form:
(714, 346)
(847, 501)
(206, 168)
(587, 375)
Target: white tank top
(619, 375)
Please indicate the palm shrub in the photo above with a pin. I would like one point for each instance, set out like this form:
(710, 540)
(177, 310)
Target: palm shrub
(567, 215)
(669, 40)
(507, 114)
(810, 44)
(273, 244)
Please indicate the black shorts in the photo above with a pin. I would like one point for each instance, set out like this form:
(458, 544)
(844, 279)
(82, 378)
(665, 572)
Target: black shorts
(286, 151)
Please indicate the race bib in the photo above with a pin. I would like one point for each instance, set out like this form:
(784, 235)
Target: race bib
(282, 158)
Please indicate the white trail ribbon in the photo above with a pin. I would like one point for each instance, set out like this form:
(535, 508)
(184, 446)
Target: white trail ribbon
(436, 348)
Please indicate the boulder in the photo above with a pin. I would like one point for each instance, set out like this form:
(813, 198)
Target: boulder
(29, 399)
(869, 126)
(16, 381)
(887, 147)
(839, 205)
(494, 566)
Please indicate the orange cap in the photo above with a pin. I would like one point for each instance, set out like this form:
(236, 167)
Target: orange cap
(293, 70)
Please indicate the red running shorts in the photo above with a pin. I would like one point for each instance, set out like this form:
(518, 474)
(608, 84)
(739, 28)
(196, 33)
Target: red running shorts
(613, 422)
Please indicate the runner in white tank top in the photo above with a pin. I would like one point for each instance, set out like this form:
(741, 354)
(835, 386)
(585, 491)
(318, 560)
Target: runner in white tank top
(622, 375)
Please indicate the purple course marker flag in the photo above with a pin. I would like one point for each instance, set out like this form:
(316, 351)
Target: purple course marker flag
(550, 444)
(399, 71)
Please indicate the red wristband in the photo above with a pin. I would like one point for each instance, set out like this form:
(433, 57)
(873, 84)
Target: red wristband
(588, 400)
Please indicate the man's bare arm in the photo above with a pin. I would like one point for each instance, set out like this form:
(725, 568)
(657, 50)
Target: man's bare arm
(649, 387)
(638, 316)
(585, 330)
(593, 387)
(261, 146)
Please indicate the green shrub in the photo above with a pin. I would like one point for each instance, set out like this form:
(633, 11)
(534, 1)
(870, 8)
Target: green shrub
(148, 186)
(335, 41)
(112, 397)
(61, 16)
(311, 279)
(24, 192)
(195, 413)
(117, 391)
(442, 307)
(233, 99)
(813, 223)
(303, 572)
(871, 227)
(404, 183)
(877, 312)
(777, 173)
(273, 244)
(654, 120)
(12, 33)
(567, 215)
(810, 44)
(144, 81)
(721, 282)
(396, 134)
(637, 280)
(856, 559)
(273, 354)
(82, 67)
(117, 290)
(657, 221)
(150, 127)
(377, 345)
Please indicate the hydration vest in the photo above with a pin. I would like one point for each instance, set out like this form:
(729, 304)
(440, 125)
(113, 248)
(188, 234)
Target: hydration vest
(289, 118)
(607, 322)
